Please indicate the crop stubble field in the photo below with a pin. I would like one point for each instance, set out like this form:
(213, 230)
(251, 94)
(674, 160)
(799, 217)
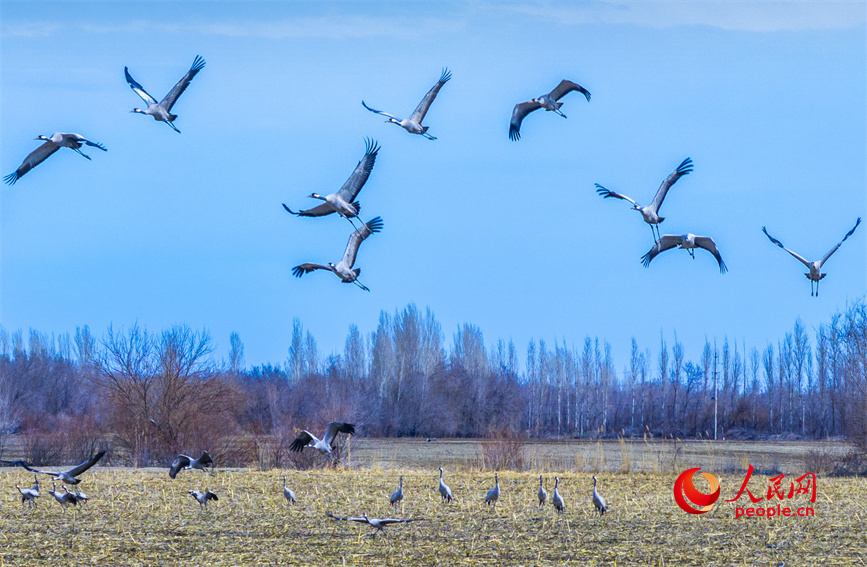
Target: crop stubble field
(141, 517)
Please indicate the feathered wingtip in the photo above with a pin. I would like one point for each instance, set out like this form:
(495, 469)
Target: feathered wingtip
(603, 191)
(514, 134)
(298, 271)
(11, 178)
(446, 75)
(685, 166)
(374, 225)
(371, 147)
(772, 239)
(198, 64)
(645, 260)
(288, 210)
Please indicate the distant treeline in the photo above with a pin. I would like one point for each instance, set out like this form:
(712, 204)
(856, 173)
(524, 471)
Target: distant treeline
(155, 394)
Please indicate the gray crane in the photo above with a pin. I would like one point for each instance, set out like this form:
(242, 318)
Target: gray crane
(556, 499)
(343, 269)
(815, 274)
(343, 202)
(598, 500)
(76, 497)
(203, 497)
(52, 144)
(29, 495)
(162, 111)
(493, 494)
(445, 491)
(650, 213)
(69, 476)
(413, 123)
(688, 242)
(326, 444)
(379, 523)
(287, 493)
(63, 498)
(182, 462)
(542, 494)
(397, 495)
(546, 101)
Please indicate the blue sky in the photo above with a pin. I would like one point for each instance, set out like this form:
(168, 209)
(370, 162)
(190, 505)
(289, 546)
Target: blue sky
(768, 99)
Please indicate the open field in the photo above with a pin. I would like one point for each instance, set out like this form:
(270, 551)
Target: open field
(141, 517)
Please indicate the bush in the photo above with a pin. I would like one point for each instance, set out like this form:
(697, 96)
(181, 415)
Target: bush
(503, 449)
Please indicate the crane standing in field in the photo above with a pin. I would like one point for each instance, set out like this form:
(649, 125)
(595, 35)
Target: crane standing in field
(493, 494)
(343, 269)
(29, 495)
(815, 274)
(413, 123)
(598, 500)
(650, 213)
(287, 493)
(52, 144)
(326, 444)
(343, 202)
(63, 498)
(162, 111)
(445, 491)
(546, 101)
(397, 495)
(542, 494)
(556, 499)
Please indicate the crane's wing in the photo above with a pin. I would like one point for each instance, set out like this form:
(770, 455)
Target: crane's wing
(205, 459)
(302, 269)
(181, 462)
(424, 105)
(85, 465)
(301, 441)
(33, 159)
(358, 237)
(834, 249)
(339, 519)
(169, 100)
(667, 242)
(379, 111)
(138, 89)
(607, 193)
(317, 211)
(780, 244)
(336, 427)
(38, 471)
(362, 171)
(684, 168)
(387, 521)
(210, 496)
(521, 110)
(566, 87)
(82, 140)
(708, 244)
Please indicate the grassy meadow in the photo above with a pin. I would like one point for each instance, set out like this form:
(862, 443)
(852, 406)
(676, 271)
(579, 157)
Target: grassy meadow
(141, 517)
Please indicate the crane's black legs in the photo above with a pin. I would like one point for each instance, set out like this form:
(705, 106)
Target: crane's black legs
(82, 154)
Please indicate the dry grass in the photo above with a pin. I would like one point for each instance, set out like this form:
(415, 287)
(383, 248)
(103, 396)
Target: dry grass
(141, 517)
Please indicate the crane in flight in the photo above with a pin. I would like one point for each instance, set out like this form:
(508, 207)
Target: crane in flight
(413, 123)
(546, 101)
(162, 111)
(815, 274)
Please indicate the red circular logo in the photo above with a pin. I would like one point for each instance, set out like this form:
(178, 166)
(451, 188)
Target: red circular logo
(683, 487)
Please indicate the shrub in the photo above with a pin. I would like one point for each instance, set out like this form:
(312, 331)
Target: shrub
(503, 449)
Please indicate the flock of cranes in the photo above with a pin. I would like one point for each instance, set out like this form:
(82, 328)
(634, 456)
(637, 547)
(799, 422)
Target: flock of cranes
(325, 446)
(343, 202)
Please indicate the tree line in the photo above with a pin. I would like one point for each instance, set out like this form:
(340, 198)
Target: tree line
(159, 393)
